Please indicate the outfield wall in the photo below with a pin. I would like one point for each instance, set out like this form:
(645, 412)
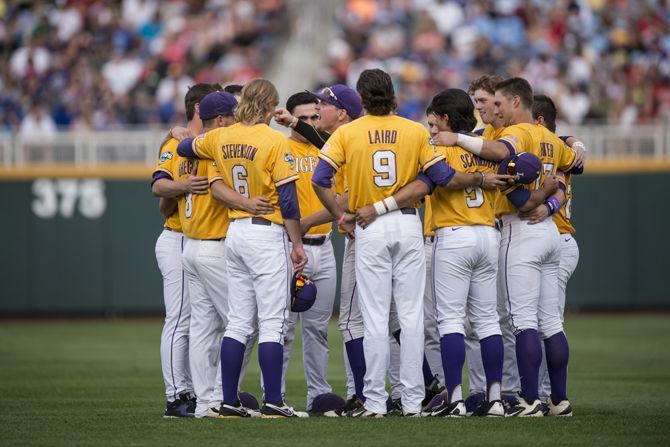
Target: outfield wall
(75, 242)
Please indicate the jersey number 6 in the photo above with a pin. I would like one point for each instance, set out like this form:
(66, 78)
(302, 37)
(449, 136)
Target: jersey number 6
(383, 163)
(240, 180)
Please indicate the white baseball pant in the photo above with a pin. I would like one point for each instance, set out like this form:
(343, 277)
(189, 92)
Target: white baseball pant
(390, 262)
(527, 286)
(174, 337)
(566, 267)
(431, 334)
(259, 274)
(350, 320)
(464, 279)
(321, 269)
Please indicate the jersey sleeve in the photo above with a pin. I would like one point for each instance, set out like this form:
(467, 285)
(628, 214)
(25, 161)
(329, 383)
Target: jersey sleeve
(567, 158)
(213, 173)
(166, 159)
(333, 151)
(282, 171)
(202, 145)
(428, 154)
(516, 139)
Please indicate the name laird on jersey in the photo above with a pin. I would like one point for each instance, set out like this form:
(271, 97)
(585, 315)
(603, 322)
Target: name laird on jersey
(382, 136)
(471, 160)
(239, 151)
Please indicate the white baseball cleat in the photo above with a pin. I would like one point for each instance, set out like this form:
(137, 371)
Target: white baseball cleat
(525, 409)
(563, 408)
(363, 413)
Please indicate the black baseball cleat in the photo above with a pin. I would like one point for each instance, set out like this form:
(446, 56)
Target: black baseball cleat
(235, 411)
(352, 404)
(183, 407)
(494, 408)
(277, 410)
(432, 390)
(363, 413)
(451, 410)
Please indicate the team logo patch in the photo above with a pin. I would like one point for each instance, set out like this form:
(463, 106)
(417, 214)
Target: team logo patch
(289, 159)
(167, 155)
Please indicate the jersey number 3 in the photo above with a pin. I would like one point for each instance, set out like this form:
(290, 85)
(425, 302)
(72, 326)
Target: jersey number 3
(474, 196)
(383, 163)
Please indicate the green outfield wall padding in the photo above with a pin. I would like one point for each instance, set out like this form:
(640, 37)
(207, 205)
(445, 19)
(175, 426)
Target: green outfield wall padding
(87, 245)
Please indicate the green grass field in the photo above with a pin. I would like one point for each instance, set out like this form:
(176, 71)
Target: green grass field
(99, 383)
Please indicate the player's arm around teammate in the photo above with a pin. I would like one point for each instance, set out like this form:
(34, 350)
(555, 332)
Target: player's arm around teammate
(255, 160)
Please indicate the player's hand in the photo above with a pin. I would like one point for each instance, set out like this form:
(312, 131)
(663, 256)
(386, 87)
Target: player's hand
(258, 206)
(445, 139)
(366, 215)
(550, 184)
(299, 258)
(348, 223)
(495, 181)
(196, 184)
(180, 133)
(536, 215)
(283, 116)
(580, 153)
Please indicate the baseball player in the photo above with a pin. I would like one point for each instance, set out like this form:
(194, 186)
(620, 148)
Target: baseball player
(169, 248)
(338, 105)
(529, 254)
(255, 160)
(483, 94)
(464, 255)
(383, 153)
(205, 223)
(321, 268)
(544, 113)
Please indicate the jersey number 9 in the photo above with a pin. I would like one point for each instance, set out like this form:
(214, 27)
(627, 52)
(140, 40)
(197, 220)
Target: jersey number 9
(383, 163)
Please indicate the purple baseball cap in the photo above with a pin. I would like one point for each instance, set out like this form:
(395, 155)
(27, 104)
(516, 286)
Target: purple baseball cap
(303, 293)
(524, 166)
(217, 103)
(342, 97)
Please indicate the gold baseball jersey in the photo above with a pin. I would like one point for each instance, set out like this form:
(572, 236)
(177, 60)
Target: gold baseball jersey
(469, 206)
(492, 134)
(253, 160)
(382, 154)
(549, 148)
(306, 156)
(562, 218)
(428, 218)
(202, 216)
(167, 164)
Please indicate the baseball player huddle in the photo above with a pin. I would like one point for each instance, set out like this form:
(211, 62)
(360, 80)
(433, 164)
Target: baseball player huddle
(246, 250)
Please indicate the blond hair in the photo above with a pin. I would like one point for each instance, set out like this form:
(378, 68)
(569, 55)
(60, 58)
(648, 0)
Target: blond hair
(258, 100)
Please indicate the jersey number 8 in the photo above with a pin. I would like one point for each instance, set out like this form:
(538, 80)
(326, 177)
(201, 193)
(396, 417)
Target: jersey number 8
(383, 163)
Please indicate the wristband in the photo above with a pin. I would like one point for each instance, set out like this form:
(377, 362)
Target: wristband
(379, 208)
(470, 144)
(579, 144)
(553, 205)
(385, 206)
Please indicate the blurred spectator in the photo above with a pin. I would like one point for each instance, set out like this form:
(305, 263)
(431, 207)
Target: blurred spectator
(99, 65)
(606, 61)
(37, 132)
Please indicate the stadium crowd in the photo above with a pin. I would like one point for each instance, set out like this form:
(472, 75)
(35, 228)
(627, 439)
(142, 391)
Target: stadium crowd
(606, 61)
(92, 64)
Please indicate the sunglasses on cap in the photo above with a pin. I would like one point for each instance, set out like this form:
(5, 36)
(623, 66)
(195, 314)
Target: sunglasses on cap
(328, 92)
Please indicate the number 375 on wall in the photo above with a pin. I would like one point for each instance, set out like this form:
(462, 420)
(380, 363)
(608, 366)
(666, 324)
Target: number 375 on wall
(61, 197)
